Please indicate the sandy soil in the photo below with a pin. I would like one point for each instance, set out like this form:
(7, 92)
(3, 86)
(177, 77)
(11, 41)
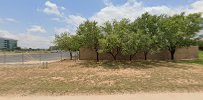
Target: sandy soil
(29, 62)
(163, 96)
(103, 78)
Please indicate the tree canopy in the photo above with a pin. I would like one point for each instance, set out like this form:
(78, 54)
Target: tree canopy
(114, 33)
(66, 42)
(89, 34)
(147, 34)
(179, 30)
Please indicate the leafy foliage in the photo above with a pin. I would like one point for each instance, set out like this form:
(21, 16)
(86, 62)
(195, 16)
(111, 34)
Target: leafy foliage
(89, 34)
(148, 27)
(148, 34)
(132, 44)
(114, 34)
(66, 42)
(179, 30)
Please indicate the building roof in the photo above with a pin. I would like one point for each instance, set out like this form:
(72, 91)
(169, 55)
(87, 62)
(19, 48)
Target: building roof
(7, 38)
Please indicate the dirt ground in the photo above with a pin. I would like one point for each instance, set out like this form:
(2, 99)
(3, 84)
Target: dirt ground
(162, 96)
(103, 78)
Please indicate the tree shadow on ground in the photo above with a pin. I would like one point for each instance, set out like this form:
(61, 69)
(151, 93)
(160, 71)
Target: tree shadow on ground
(132, 64)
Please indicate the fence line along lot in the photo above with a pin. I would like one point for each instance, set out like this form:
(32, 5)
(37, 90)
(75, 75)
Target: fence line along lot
(25, 57)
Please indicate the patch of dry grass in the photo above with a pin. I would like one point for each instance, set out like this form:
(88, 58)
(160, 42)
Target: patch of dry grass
(89, 77)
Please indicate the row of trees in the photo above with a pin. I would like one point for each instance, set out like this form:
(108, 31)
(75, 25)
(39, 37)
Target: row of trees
(147, 34)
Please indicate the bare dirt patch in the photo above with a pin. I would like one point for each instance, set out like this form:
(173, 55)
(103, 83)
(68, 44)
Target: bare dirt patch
(89, 77)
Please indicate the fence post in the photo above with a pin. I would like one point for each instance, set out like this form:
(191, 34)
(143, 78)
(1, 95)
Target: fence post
(74, 56)
(61, 56)
(22, 58)
(40, 57)
(44, 65)
(4, 57)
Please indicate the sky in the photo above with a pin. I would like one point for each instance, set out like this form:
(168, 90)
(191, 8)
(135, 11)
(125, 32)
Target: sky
(34, 23)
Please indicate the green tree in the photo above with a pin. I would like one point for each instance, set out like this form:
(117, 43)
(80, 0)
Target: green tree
(179, 30)
(89, 34)
(131, 44)
(148, 27)
(66, 42)
(114, 33)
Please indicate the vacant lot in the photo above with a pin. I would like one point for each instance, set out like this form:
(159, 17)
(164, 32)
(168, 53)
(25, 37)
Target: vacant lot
(89, 77)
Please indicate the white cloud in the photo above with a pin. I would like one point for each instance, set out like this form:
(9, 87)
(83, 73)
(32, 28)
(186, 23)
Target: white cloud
(75, 20)
(28, 40)
(56, 19)
(197, 6)
(7, 20)
(6, 34)
(108, 2)
(33, 41)
(61, 30)
(72, 22)
(10, 20)
(52, 9)
(63, 8)
(36, 29)
(133, 9)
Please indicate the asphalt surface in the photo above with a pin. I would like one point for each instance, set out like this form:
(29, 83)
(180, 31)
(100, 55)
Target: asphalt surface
(164, 96)
(33, 57)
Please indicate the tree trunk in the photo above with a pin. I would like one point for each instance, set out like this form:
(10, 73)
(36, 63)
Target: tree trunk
(114, 56)
(145, 55)
(97, 56)
(71, 55)
(130, 57)
(96, 50)
(172, 51)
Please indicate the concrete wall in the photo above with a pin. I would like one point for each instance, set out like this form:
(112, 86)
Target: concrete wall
(181, 53)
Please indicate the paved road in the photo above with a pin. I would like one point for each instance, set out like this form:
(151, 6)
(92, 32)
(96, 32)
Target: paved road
(166, 96)
(33, 57)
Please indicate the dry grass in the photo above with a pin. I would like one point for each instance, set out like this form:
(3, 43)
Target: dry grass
(89, 77)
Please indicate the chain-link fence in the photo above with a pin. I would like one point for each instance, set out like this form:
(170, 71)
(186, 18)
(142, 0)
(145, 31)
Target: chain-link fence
(33, 59)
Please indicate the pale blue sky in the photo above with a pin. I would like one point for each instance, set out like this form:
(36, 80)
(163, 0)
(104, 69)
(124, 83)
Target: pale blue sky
(34, 22)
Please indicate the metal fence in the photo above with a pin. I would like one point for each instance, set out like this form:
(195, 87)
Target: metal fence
(27, 58)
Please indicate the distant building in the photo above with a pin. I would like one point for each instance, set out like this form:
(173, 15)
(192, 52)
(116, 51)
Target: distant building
(8, 44)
